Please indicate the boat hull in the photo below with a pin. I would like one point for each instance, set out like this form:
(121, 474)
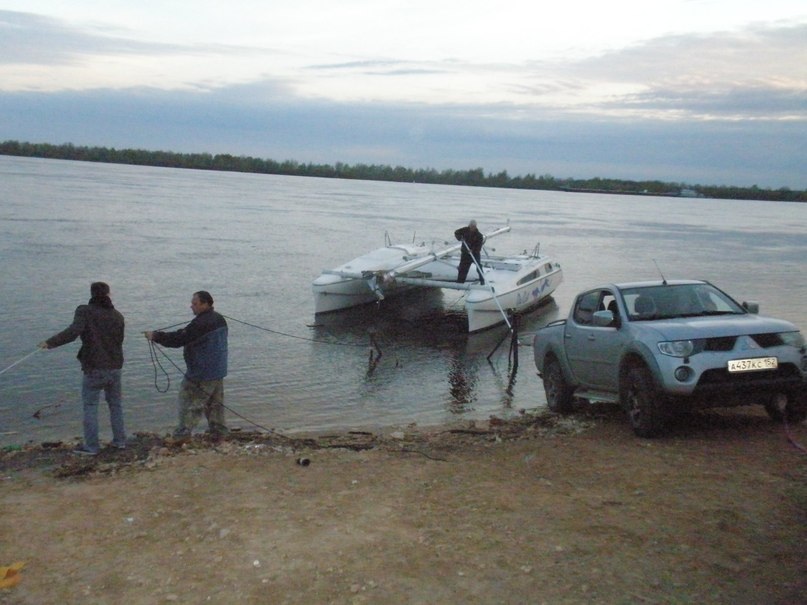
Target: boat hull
(360, 281)
(344, 293)
(486, 308)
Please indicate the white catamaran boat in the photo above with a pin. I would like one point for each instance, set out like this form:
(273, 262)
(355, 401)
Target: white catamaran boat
(513, 284)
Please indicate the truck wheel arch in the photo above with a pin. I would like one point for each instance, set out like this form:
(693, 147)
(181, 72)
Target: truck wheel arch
(635, 359)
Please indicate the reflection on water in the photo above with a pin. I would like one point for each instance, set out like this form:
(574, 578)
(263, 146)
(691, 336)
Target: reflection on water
(462, 376)
(422, 324)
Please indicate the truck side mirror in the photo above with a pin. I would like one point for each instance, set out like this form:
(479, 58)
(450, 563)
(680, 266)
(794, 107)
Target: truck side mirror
(605, 319)
(751, 306)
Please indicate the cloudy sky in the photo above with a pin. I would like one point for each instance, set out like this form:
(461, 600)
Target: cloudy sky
(690, 91)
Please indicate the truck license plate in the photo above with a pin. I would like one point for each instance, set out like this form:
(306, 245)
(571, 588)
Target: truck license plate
(752, 365)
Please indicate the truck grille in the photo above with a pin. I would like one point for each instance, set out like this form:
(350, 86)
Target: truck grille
(767, 340)
(726, 343)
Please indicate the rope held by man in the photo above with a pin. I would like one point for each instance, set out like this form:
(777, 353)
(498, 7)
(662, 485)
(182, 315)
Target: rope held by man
(19, 361)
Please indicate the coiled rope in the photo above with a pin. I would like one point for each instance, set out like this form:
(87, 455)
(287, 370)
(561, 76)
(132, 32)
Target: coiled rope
(155, 362)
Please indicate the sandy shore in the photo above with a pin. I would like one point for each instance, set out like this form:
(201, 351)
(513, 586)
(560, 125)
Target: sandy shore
(537, 510)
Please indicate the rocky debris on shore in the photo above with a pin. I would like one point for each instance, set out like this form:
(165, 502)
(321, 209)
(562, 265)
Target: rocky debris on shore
(146, 450)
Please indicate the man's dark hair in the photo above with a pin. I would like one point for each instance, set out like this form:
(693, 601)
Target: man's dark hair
(99, 289)
(204, 297)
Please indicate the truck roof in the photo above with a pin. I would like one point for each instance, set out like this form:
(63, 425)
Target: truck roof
(656, 282)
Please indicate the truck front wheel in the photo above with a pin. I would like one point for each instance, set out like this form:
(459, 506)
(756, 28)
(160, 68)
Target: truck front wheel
(643, 402)
(558, 392)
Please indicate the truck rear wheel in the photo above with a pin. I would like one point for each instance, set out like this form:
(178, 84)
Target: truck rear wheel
(791, 407)
(558, 392)
(643, 403)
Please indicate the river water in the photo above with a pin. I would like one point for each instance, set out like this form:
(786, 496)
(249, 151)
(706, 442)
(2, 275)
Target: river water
(256, 242)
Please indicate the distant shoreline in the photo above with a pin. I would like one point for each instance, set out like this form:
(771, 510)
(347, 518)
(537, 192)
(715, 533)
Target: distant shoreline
(374, 172)
(682, 193)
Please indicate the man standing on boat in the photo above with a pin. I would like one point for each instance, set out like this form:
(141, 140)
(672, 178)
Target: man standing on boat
(472, 240)
(100, 327)
(204, 343)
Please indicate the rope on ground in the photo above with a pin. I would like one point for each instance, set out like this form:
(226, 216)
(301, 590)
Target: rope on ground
(19, 361)
(792, 439)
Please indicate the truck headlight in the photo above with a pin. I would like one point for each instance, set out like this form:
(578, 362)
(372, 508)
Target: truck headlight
(794, 339)
(677, 348)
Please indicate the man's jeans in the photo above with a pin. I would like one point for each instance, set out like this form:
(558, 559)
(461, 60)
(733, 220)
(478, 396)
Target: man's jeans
(94, 382)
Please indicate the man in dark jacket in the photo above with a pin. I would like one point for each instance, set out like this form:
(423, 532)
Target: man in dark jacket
(205, 351)
(100, 327)
(471, 250)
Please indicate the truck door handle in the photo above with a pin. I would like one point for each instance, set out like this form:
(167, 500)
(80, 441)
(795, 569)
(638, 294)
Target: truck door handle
(591, 337)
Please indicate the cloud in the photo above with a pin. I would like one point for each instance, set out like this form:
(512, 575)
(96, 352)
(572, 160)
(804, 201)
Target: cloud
(42, 53)
(30, 39)
(382, 68)
(739, 103)
(767, 52)
(258, 120)
(756, 73)
(727, 108)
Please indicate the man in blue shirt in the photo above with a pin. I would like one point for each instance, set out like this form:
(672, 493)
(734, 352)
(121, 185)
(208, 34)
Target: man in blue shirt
(204, 342)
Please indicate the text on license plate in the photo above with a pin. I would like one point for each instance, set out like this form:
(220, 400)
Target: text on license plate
(751, 365)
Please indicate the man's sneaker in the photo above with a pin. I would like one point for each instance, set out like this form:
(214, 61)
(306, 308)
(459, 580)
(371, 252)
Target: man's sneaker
(83, 451)
(119, 446)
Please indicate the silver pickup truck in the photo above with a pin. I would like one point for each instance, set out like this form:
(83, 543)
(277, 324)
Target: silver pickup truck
(662, 347)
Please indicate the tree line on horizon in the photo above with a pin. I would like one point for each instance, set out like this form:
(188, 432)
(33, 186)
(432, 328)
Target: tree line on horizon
(377, 172)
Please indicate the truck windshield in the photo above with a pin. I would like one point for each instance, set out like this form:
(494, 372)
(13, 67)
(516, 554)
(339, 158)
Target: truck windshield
(680, 300)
